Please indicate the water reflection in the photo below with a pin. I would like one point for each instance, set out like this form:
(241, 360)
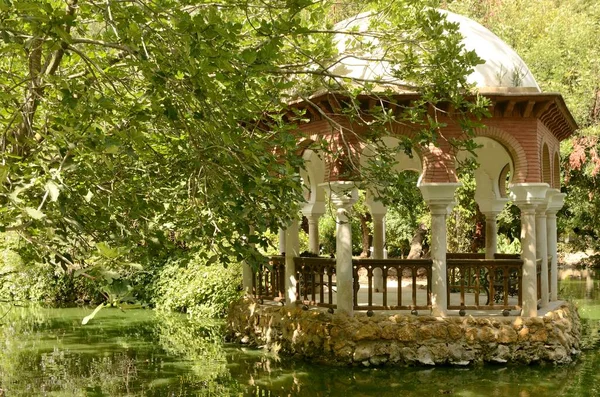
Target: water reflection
(47, 352)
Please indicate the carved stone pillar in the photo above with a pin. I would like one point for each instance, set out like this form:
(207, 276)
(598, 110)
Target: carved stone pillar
(377, 211)
(555, 202)
(343, 195)
(491, 208)
(542, 251)
(313, 211)
(292, 249)
(440, 199)
(527, 196)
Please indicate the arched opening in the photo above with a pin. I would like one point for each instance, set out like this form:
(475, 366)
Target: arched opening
(546, 171)
(504, 181)
(556, 172)
(485, 175)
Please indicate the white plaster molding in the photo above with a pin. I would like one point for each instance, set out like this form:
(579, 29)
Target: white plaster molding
(342, 193)
(315, 208)
(438, 195)
(375, 207)
(528, 193)
(491, 206)
(556, 200)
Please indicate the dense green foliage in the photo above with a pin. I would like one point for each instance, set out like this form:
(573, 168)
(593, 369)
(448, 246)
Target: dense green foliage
(137, 135)
(137, 131)
(196, 288)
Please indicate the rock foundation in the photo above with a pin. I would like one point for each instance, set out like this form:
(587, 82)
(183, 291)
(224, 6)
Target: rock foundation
(402, 340)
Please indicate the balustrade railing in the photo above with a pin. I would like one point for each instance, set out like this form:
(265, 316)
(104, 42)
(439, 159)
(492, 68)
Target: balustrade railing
(474, 283)
(497, 281)
(315, 279)
(413, 277)
(268, 282)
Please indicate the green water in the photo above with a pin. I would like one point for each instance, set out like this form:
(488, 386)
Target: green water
(46, 352)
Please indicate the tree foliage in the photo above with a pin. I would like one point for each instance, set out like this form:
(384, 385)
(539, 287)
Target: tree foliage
(135, 129)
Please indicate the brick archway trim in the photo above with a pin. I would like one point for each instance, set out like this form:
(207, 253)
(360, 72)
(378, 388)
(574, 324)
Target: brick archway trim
(514, 148)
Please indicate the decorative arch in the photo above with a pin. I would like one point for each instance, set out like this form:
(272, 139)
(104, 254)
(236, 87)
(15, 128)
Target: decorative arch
(494, 165)
(502, 181)
(313, 176)
(512, 146)
(404, 161)
(546, 170)
(556, 171)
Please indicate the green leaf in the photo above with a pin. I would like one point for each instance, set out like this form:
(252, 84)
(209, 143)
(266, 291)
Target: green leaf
(34, 213)
(87, 319)
(53, 190)
(3, 173)
(110, 275)
(136, 266)
(106, 251)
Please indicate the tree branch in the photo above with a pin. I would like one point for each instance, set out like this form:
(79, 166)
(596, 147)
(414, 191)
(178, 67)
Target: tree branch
(104, 44)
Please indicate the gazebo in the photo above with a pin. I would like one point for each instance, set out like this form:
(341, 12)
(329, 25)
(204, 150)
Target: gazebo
(518, 156)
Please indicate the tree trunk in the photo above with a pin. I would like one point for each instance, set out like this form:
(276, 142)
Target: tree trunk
(366, 234)
(416, 244)
(304, 224)
(478, 242)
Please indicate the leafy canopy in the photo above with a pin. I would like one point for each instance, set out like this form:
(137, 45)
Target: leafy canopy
(137, 127)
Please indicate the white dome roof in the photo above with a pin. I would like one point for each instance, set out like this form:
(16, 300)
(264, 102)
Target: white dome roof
(503, 70)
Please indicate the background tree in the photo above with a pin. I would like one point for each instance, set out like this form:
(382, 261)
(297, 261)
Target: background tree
(559, 41)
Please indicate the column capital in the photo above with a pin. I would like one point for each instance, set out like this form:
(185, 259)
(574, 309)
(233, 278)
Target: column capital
(491, 206)
(439, 196)
(314, 208)
(343, 194)
(527, 196)
(556, 200)
(491, 215)
(376, 207)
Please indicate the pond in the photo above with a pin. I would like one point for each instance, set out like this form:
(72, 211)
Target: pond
(47, 352)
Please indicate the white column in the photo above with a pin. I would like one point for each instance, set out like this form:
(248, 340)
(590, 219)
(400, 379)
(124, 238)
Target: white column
(528, 236)
(292, 249)
(542, 251)
(377, 211)
(313, 211)
(313, 233)
(527, 196)
(440, 199)
(552, 252)
(343, 195)
(490, 207)
(555, 203)
(491, 234)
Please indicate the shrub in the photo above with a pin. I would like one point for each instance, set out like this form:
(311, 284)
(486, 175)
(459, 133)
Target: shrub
(22, 280)
(197, 287)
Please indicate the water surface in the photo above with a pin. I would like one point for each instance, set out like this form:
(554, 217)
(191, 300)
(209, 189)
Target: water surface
(47, 352)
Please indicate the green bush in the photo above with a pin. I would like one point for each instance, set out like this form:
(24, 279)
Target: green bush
(506, 246)
(197, 287)
(38, 282)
